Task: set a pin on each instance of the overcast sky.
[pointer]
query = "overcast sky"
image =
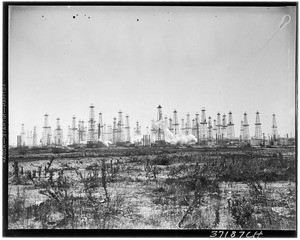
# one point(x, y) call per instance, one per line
point(62, 59)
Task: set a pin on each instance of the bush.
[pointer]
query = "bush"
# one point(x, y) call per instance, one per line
point(17, 207)
point(161, 161)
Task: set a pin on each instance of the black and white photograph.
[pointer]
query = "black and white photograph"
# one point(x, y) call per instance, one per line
point(155, 116)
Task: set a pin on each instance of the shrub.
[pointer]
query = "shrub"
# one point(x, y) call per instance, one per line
point(161, 160)
point(16, 208)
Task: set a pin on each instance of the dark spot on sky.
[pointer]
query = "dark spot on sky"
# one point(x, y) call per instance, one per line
point(73, 16)
point(42, 16)
point(84, 14)
point(89, 18)
point(76, 14)
point(137, 19)
point(216, 16)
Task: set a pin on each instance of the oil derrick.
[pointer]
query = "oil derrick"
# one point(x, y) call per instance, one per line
point(224, 127)
point(215, 130)
point(23, 135)
point(19, 141)
point(171, 125)
point(203, 125)
point(83, 131)
point(109, 133)
point(160, 132)
point(230, 132)
point(242, 131)
point(153, 130)
point(29, 138)
point(105, 138)
point(73, 131)
point(209, 130)
point(197, 126)
point(182, 127)
point(274, 134)
point(188, 128)
point(120, 131)
point(258, 132)
point(175, 123)
point(166, 122)
point(114, 136)
point(146, 138)
point(100, 128)
point(79, 137)
point(69, 135)
point(91, 125)
point(246, 128)
point(159, 113)
point(58, 134)
point(127, 129)
point(264, 139)
point(219, 133)
point(34, 140)
point(46, 139)
point(193, 127)
point(137, 129)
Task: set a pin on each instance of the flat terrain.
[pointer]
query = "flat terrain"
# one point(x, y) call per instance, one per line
point(153, 188)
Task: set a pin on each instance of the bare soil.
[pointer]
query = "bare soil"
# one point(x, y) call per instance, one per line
point(172, 190)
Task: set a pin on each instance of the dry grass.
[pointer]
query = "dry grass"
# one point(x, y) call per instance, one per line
point(195, 189)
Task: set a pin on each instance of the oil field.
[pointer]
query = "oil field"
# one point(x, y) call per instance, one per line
point(131, 116)
point(169, 183)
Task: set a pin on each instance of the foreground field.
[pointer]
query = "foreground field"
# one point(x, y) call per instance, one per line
point(171, 189)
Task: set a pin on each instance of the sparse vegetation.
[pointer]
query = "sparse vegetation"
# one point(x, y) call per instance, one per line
point(154, 188)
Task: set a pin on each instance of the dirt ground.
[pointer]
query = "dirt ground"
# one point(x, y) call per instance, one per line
point(143, 192)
